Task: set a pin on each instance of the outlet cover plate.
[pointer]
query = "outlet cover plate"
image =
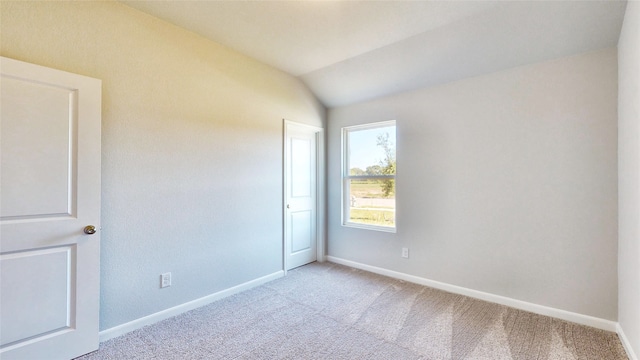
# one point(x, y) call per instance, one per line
point(165, 280)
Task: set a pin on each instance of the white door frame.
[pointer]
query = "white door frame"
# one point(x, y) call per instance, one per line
point(320, 192)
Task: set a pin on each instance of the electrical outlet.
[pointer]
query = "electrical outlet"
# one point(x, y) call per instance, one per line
point(405, 253)
point(165, 280)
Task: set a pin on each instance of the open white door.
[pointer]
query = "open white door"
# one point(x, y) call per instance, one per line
point(301, 225)
point(49, 212)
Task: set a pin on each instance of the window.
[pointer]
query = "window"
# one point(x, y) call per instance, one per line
point(369, 176)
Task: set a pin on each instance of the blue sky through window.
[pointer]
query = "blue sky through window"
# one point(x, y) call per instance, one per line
point(363, 149)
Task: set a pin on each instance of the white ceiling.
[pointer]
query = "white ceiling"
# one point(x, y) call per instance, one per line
point(350, 51)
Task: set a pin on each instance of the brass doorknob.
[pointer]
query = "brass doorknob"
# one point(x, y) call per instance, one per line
point(89, 229)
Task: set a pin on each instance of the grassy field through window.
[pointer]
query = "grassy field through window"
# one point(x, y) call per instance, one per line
point(369, 205)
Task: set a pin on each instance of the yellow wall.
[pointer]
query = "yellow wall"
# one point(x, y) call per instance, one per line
point(192, 148)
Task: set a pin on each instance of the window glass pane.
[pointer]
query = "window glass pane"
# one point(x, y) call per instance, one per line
point(372, 151)
point(372, 202)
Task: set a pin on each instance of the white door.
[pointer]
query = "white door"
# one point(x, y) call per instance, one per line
point(301, 193)
point(49, 192)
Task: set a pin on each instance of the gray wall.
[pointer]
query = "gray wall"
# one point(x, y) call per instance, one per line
point(506, 183)
point(192, 149)
point(629, 175)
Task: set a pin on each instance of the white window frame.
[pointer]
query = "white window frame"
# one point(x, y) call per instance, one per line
point(346, 177)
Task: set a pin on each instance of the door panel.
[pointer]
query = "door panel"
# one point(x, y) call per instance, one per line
point(301, 231)
point(301, 168)
point(50, 190)
point(301, 149)
point(45, 311)
point(36, 174)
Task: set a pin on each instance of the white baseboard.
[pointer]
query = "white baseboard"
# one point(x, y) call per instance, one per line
point(626, 344)
point(176, 310)
point(587, 320)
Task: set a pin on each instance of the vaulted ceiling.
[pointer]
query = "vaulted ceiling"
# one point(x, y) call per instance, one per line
point(350, 51)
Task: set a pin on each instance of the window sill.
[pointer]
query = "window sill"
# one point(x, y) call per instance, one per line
point(370, 227)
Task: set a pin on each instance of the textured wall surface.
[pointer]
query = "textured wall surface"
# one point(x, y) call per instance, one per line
point(507, 184)
point(192, 149)
point(629, 175)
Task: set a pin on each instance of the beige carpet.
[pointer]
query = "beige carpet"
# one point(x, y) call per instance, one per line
point(329, 311)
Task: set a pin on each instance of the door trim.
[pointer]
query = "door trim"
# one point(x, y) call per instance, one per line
point(320, 191)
